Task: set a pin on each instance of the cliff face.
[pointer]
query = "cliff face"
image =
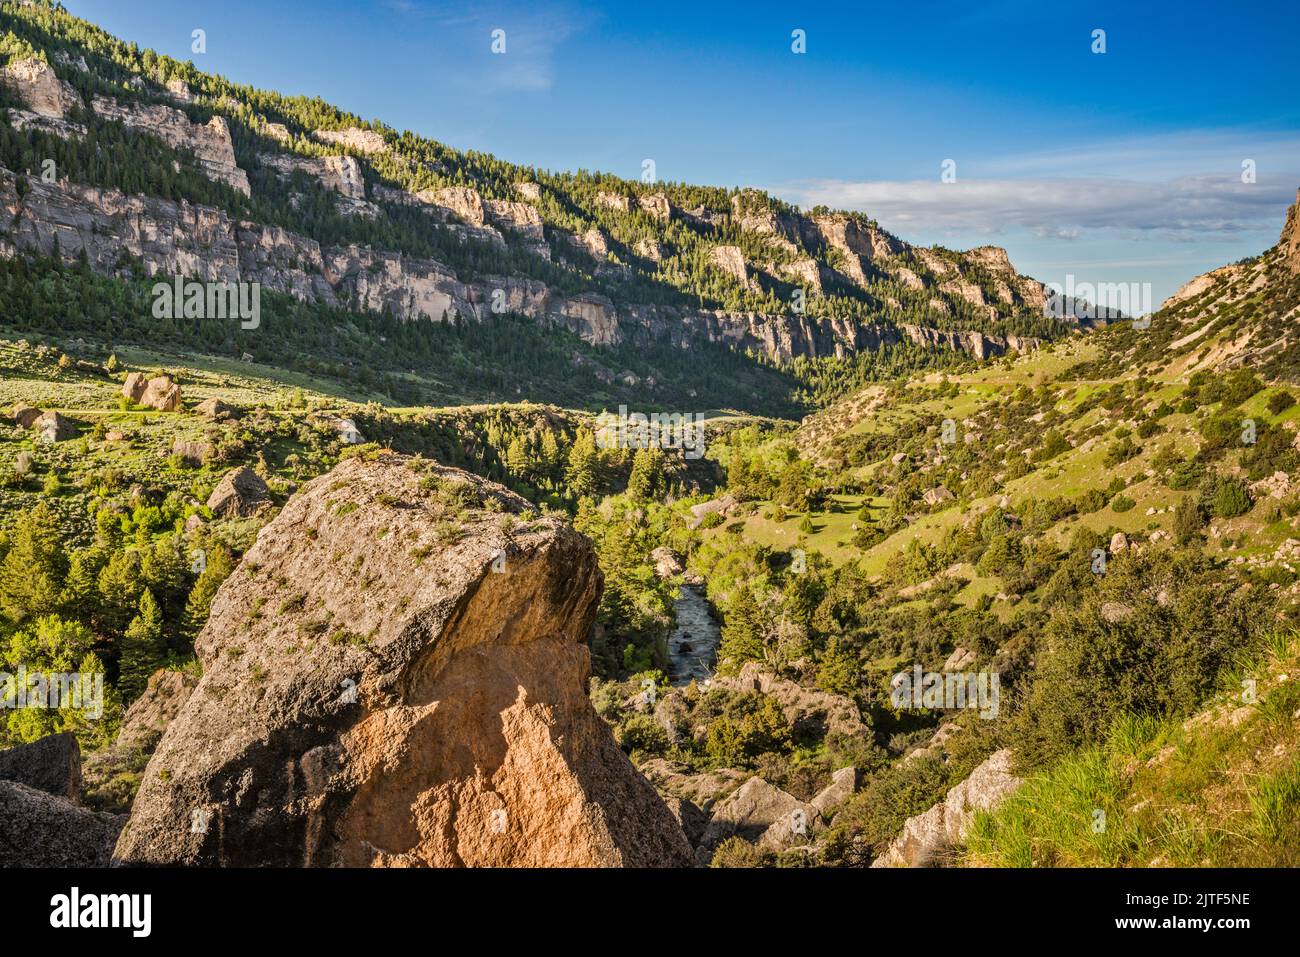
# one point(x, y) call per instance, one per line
point(395, 675)
point(1290, 241)
point(203, 243)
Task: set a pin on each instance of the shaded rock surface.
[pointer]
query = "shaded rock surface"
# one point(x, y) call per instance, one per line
point(52, 765)
point(375, 693)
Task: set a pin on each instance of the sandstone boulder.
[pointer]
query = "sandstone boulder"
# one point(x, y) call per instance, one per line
point(54, 427)
point(159, 392)
point(193, 454)
point(761, 813)
point(52, 765)
point(215, 409)
point(240, 493)
point(414, 697)
point(25, 415)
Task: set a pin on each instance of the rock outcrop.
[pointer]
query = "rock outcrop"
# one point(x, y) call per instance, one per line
point(928, 837)
point(395, 676)
point(203, 244)
point(39, 87)
point(353, 138)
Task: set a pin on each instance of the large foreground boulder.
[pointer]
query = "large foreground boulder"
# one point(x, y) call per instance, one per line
point(38, 829)
point(395, 675)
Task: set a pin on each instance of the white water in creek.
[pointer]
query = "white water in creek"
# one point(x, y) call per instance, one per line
point(693, 644)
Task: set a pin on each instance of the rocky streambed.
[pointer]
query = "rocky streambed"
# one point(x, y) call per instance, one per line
point(693, 644)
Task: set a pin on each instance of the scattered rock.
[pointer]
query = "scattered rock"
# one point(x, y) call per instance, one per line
point(1118, 542)
point(1114, 612)
point(959, 659)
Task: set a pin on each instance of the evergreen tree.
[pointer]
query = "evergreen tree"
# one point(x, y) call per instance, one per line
point(142, 648)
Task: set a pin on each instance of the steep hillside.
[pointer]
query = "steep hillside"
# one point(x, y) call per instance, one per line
point(137, 164)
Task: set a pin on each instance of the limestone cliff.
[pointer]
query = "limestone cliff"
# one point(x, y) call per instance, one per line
point(395, 675)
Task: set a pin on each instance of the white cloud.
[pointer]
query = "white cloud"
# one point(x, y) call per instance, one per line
point(1066, 208)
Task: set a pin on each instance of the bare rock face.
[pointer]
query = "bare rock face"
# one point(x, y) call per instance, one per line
point(657, 206)
point(40, 830)
point(615, 201)
point(52, 765)
point(730, 260)
point(395, 676)
point(927, 837)
point(40, 88)
point(363, 141)
point(240, 493)
point(1290, 241)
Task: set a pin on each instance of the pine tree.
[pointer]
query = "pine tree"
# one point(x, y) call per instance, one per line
point(583, 472)
point(142, 648)
point(646, 480)
point(32, 573)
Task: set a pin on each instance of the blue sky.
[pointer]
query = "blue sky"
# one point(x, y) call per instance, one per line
point(1122, 166)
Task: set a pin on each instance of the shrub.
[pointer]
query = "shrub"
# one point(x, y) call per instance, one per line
point(1279, 402)
point(1122, 503)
